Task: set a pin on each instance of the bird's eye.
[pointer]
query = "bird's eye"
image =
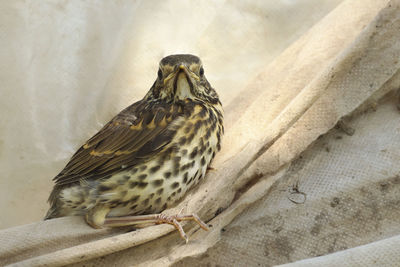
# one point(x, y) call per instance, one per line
point(201, 72)
point(159, 73)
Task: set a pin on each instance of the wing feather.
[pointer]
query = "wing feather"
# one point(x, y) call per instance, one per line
point(131, 137)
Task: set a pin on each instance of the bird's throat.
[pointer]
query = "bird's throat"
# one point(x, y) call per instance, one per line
point(183, 86)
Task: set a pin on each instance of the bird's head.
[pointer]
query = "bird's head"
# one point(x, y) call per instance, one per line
point(182, 77)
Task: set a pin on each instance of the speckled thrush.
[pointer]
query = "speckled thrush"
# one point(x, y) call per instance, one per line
point(147, 156)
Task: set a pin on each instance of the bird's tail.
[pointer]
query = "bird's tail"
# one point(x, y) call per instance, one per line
point(52, 213)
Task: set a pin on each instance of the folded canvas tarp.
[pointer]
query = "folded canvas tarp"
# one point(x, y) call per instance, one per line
point(288, 185)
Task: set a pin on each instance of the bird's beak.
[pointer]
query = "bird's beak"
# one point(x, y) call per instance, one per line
point(188, 72)
point(183, 68)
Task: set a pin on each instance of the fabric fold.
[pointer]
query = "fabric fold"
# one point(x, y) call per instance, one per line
point(340, 66)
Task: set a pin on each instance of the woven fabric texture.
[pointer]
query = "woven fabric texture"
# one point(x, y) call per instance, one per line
point(288, 186)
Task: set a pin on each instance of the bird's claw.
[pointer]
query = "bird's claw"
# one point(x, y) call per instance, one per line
point(176, 219)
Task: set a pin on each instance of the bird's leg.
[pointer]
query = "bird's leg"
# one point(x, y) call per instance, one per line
point(156, 219)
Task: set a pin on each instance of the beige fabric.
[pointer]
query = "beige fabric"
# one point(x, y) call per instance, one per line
point(381, 253)
point(341, 66)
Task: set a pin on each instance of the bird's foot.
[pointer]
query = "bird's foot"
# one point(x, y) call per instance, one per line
point(156, 219)
point(176, 219)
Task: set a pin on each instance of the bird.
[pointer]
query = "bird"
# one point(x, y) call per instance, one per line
point(148, 156)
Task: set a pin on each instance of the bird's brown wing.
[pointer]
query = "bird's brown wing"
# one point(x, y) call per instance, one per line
point(134, 135)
